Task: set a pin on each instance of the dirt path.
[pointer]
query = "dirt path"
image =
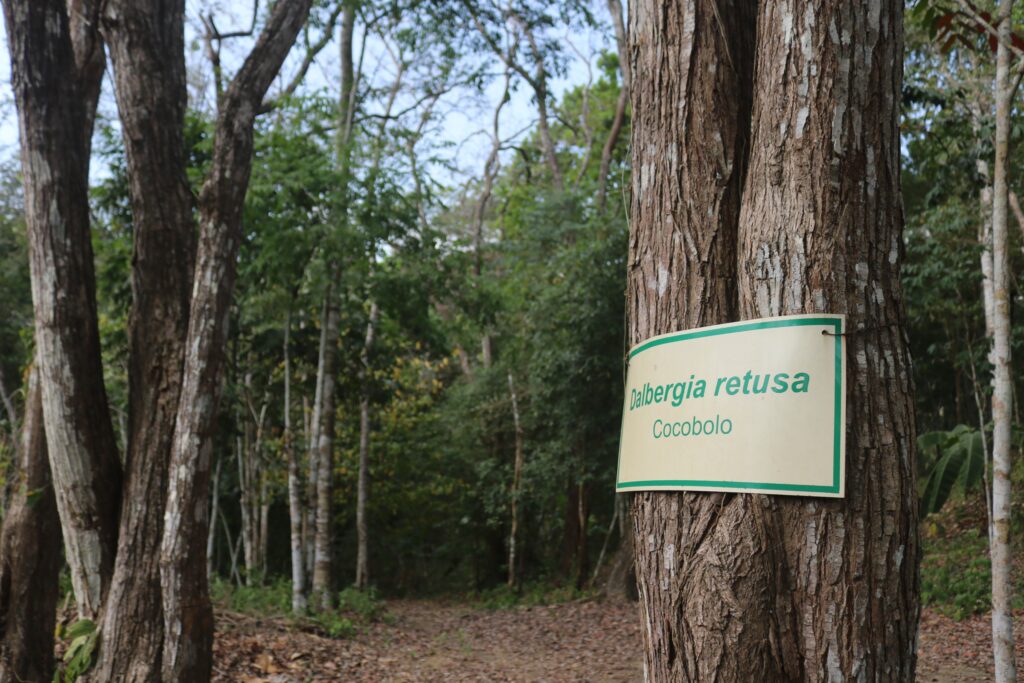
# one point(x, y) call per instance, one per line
point(591, 642)
point(431, 641)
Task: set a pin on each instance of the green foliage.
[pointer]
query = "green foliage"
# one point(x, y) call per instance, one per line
point(948, 459)
point(334, 625)
point(274, 598)
point(956, 575)
point(82, 638)
point(532, 594)
point(365, 604)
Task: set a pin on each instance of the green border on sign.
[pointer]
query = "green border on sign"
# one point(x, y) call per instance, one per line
point(837, 325)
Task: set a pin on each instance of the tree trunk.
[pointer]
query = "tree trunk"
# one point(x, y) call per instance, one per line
point(295, 512)
point(682, 274)
point(322, 597)
point(211, 536)
point(54, 84)
point(313, 443)
point(188, 615)
point(749, 587)
point(362, 536)
point(30, 557)
point(1002, 380)
point(517, 476)
point(146, 41)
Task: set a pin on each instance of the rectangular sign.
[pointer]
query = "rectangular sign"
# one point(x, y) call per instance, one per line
point(757, 406)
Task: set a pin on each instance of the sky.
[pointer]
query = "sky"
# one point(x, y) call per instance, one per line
point(464, 120)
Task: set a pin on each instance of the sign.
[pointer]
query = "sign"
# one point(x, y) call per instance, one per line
point(757, 406)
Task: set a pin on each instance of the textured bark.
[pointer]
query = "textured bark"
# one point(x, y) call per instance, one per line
point(821, 231)
point(363, 491)
point(1002, 380)
point(54, 114)
point(30, 557)
point(322, 594)
point(745, 587)
point(146, 44)
point(700, 558)
point(188, 615)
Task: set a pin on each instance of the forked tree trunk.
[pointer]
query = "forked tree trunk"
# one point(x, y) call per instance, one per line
point(30, 557)
point(749, 587)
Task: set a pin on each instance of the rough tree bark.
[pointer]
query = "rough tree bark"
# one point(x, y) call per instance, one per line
point(1002, 380)
point(30, 557)
point(743, 587)
point(691, 117)
point(55, 78)
point(188, 615)
point(146, 42)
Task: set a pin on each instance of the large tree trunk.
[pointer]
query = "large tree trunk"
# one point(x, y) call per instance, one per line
point(146, 41)
point(188, 615)
point(690, 126)
point(1002, 381)
point(744, 587)
point(821, 231)
point(55, 82)
point(30, 557)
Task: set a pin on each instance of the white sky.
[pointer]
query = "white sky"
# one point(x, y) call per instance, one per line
point(464, 119)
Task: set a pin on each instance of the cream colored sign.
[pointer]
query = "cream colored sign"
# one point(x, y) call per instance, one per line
point(755, 406)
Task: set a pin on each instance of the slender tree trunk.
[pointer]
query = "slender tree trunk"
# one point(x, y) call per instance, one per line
point(188, 615)
point(53, 83)
point(1002, 384)
point(322, 584)
point(211, 536)
point(744, 587)
point(12, 415)
point(30, 557)
point(622, 45)
point(294, 481)
point(363, 550)
point(313, 444)
point(517, 476)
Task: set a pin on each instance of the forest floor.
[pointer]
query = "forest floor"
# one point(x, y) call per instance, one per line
point(594, 641)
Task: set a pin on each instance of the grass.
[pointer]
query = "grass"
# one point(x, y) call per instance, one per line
point(528, 595)
point(354, 608)
point(956, 573)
